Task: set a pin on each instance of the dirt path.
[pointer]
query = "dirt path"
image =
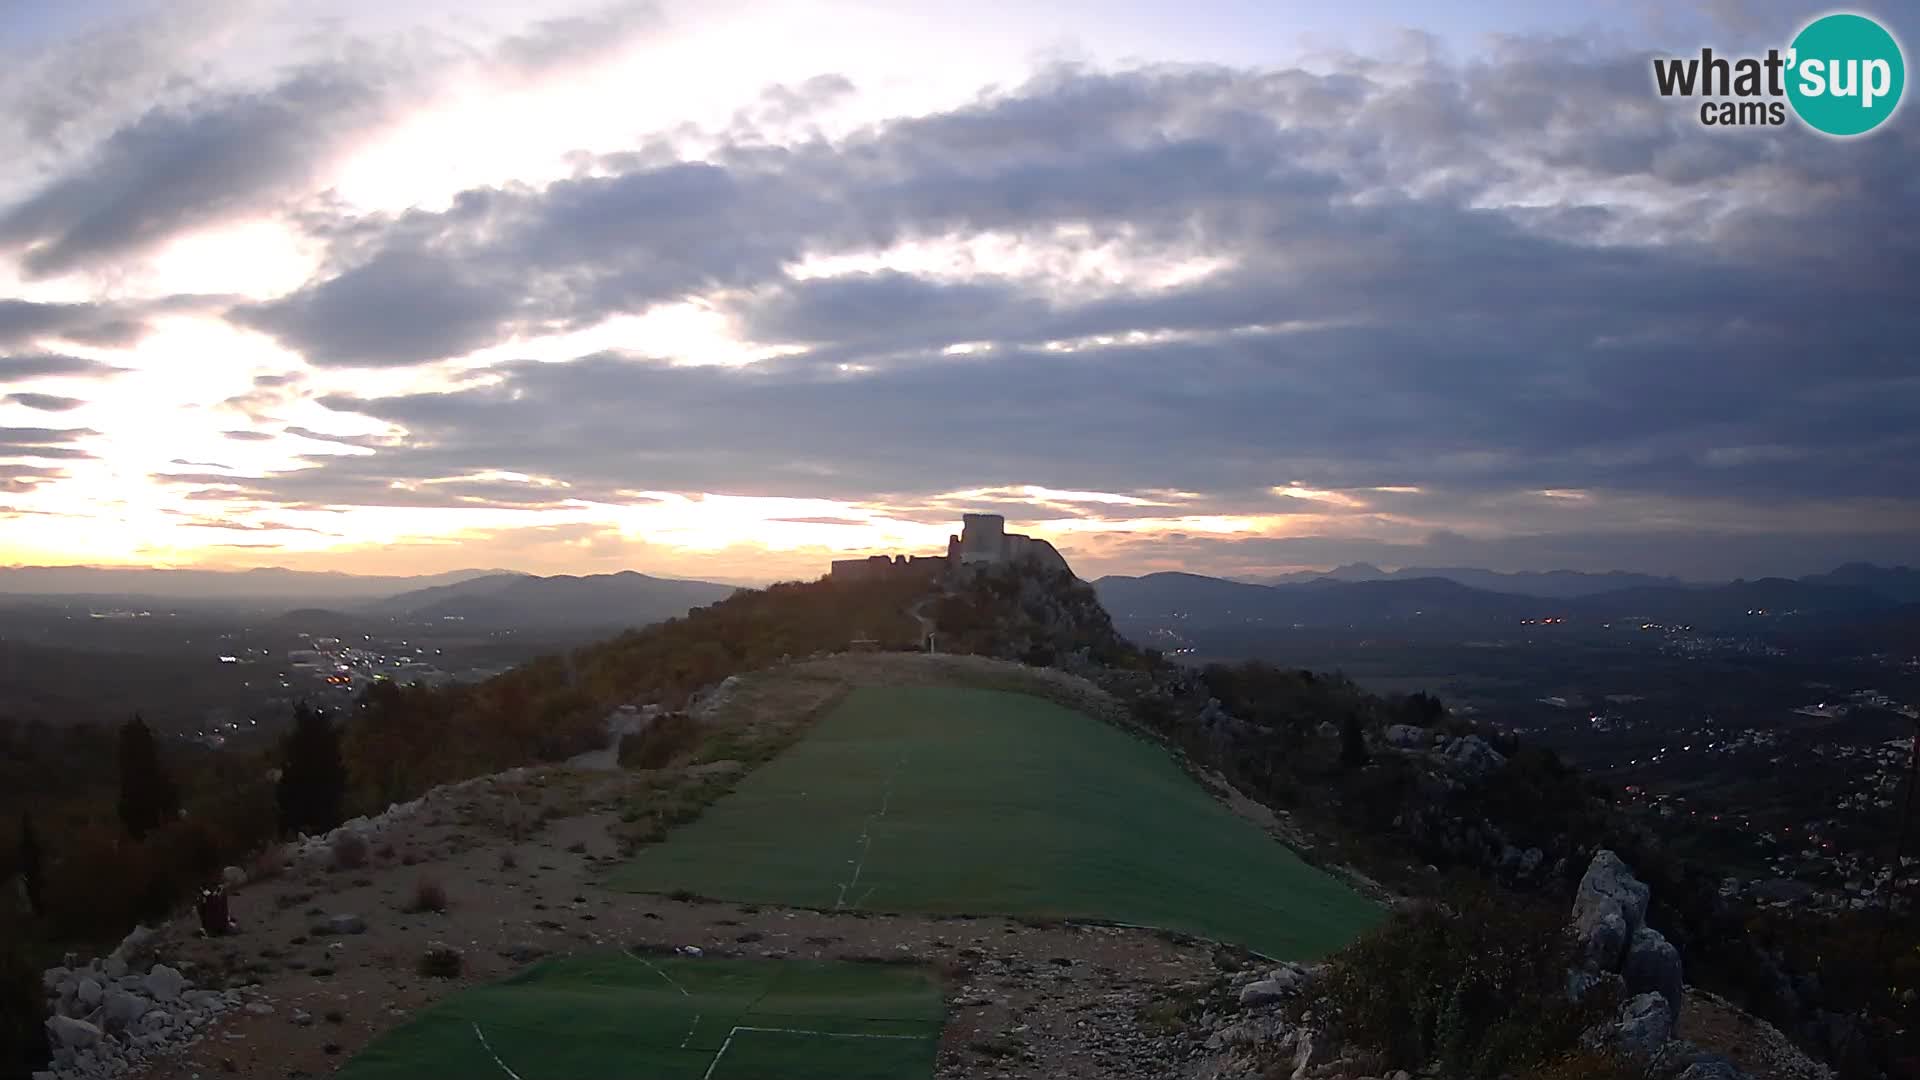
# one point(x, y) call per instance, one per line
point(927, 627)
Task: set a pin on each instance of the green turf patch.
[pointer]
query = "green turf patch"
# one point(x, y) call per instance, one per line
point(952, 801)
point(617, 1014)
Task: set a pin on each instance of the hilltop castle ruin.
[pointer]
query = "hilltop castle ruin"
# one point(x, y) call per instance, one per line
point(983, 542)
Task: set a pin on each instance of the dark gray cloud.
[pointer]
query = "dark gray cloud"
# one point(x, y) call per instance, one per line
point(45, 402)
point(43, 365)
point(182, 167)
point(55, 95)
point(1523, 273)
point(22, 322)
point(400, 308)
point(40, 442)
point(570, 41)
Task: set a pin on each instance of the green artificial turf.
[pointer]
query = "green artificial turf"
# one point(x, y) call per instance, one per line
point(953, 801)
point(617, 1014)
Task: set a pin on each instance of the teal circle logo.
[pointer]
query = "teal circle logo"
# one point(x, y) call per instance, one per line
point(1846, 74)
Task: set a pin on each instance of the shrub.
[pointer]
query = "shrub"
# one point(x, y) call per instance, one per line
point(669, 736)
point(267, 864)
point(428, 895)
point(441, 961)
point(350, 851)
point(96, 888)
point(1478, 985)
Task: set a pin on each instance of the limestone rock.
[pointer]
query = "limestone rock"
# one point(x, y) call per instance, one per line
point(164, 983)
point(122, 1009)
point(1715, 1069)
point(1407, 737)
point(1263, 992)
point(1603, 941)
point(1609, 884)
point(1608, 909)
point(343, 924)
point(1314, 1049)
point(71, 1034)
point(1472, 756)
point(1645, 1024)
point(1653, 965)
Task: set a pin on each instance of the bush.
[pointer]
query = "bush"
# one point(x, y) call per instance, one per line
point(267, 864)
point(669, 736)
point(428, 895)
point(95, 889)
point(1478, 985)
point(441, 961)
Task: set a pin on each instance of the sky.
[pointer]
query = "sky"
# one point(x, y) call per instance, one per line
point(729, 289)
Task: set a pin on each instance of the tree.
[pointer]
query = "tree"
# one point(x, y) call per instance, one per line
point(1353, 742)
point(30, 861)
point(313, 781)
point(148, 798)
point(23, 1004)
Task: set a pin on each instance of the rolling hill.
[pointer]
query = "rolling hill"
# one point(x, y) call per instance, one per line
point(1202, 600)
point(562, 602)
point(1558, 584)
point(259, 586)
point(1438, 601)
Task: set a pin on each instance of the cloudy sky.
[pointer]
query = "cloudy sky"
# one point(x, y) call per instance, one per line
point(726, 288)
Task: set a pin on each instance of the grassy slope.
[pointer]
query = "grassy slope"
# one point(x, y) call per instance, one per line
point(997, 803)
point(615, 1014)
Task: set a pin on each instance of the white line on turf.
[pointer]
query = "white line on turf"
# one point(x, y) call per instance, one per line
point(662, 973)
point(826, 1034)
point(482, 1036)
point(722, 1052)
point(691, 1028)
point(866, 839)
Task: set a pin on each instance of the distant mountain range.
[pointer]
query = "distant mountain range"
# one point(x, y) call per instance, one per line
point(522, 601)
point(264, 584)
point(481, 599)
point(1556, 583)
point(1357, 594)
point(1439, 598)
point(1901, 583)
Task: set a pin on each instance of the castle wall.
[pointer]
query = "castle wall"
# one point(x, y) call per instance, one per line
point(983, 541)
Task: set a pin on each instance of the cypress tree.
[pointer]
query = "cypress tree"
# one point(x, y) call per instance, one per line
point(148, 799)
point(30, 860)
point(313, 779)
point(1353, 743)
